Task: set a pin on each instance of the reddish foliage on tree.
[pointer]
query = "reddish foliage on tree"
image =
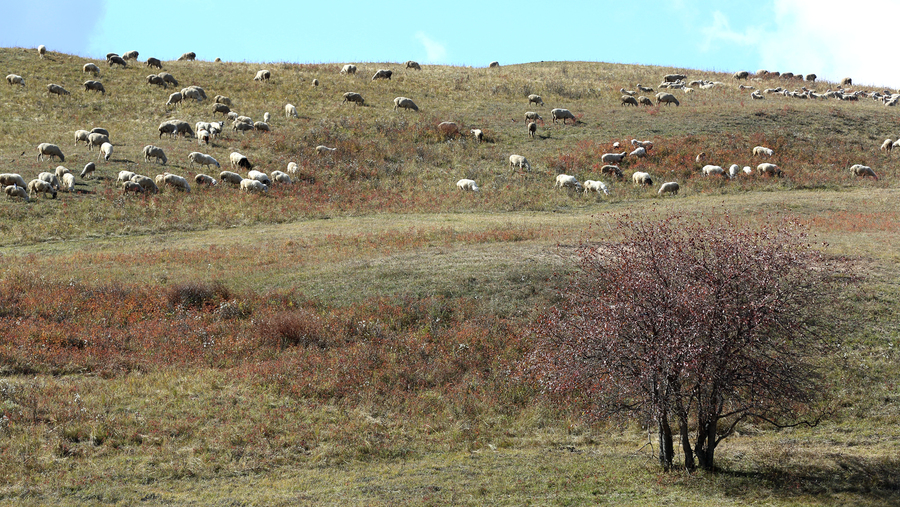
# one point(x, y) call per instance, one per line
point(694, 323)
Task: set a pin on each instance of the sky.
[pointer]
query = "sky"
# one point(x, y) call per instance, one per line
point(799, 36)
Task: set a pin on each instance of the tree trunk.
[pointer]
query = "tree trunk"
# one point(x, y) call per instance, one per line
point(666, 449)
point(686, 442)
point(706, 442)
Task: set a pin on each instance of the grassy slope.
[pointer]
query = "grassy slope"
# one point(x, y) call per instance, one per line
point(397, 226)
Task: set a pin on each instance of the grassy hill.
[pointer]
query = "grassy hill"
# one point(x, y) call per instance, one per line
point(357, 337)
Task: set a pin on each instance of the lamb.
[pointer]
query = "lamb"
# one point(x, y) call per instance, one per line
point(154, 62)
point(61, 171)
point(202, 179)
point(887, 145)
point(763, 151)
point(596, 186)
point(49, 178)
point(325, 149)
point(405, 103)
point(568, 181)
point(613, 158)
point(50, 150)
point(189, 56)
point(710, 170)
point(59, 91)
point(68, 182)
point(612, 170)
point(382, 74)
point(96, 86)
point(168, 78)
point(253, 186)
point(519, 161)
point(494, 65)
point(532, 129)
point(668, 98)
point(261, 126)
point(639, 152)
point(202, 159)
point(263, 75)
point(96, 139)
point(146, 183)
point(629, 100)
point(356, 98)
point(281, 177)
point(106, 150)
point(467, 184)
point(862, 171)
point(153, 79)
point(117, 60)
point(132, 187)
point(12, 179)
point(290, 111)
point(12, 79)
point(669, 187)
point(88, 170)
point(644, 101)
point(348, 69)
point(221, 99)
point(531, 115)
point(174, 99)
point(260, 177)
point(81, 135)
point(230, 177)
point(42, 50)
point(478, 134)
point(16, 191)
point(92, 68)
point(177, 182)
point(221, 108)
point(124, 176)
point(131, 55)
point(536, 99)
point(642, 179)
point(769, 170)
point(40, 186)
point(562, 114)
point(238, 160)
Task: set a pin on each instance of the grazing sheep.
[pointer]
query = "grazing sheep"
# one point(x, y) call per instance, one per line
point(413, 65)
point(202, 136)
point(96, 86)
point(613, 158)
point(230, 177)
point(12, 179)
point(81, 135)
point(99, 130)
point(221, 108)
point(160, 179)
point(96, 139)
point(642, 179)
point(153, 79)
point(267, 117)
point(117, 60)
point(241, 126)
point(536, 99)
point(494, 65)
point(42, 50)
point(132, 187)
point(90, 67)
point(519, 161)
point(734, 171)
point(596, 186)
point(177, 182)
point(348, 69)
point(811, 77)
point(221, 99)
point(238, 160)
point(61, 171)
point(260, 177)
point(531, 115)
point(769, 170)
point(448, 128)
point(644, 88)
point(846, 81)
point(647, 145)
point(668, 98)
point(110, 55)
point(57, 90)
point(68, 182)
point(40, 186)
point(315, 82)
point(671, 78)
point(862, 171)
point(478, 134)
point(281, 177)
point(405, 103)
point(183, 128)
point(763, 151)
point(12, 79)
point(644, 101)
point(174, 99)
point(202, 179)
point(253, 186)
point(88, 170)
point(756, 95)
point(189, 56)
point(700, 156)
point(124, 176)
point(50, 150)
point(202, 159)
point(710, 170)
point(353, 97)
point(168, 78)
point(293, 169)
point(741, 75)
point(261, 126)
point(194, 92)
point(569, 182)
point(325, 149)
point(887, 145)
point(467, 184)
point(669, 187)
point(562, 114)
point(146, 183)
point(639, 152)
point(16, 191)
point(50, 178)
point(612, 170)
point(629, 100)
point(154, 62)
point(131, 55)
point(382, 74)
point(532, 129)
point(263, 75)
point(166, 128)
point(106, 150)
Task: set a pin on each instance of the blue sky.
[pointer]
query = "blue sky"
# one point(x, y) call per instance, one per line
point(800, 36)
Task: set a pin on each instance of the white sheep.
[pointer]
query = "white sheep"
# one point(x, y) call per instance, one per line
point(596, 186)
point(713, 170)
point(146, 183)
point(194, 92)
point(12, 79)
point(16, 191)
point(290, 111)
point(50, 178)
point(42, 50)
point(61, 171)
point(669, 187)
point(230, 177)
point(769, 170)
point(241, 126)
point(763, 151)
point(519, 161)
point(88, 170)
point(203, 179)
point(756, 95)
point(612, 170)
point(477, 134)
point(168, 78)
point(734, 171)
point(644, 101)
point(124, 176)
point(238, 160)
point(639, 152)
point(151, 151)
point(625, 92)
point(887, 145)
point(413, 65)
point(266, 117)
point(202, 159)
point(293, 169)
point(405, 103)
point(747, 169)
point(700, 156)
point(613, 158)
point(536, 99)
point(315, 82)
point(348, 69)
point(50, 150)
point(642, 179)
point(562, 114)
point(174, 99)
point(260, 176)
point(325, 149)
point(221, 108)
point(12, 179)
point(494, 65)
point(106, 150)
point(177, 182)
point(281, 177)
point(40, 186)
point(357, 99)
point(568, 181)
point(862, 171)
point(668, 98)
point(467, 184)
point(533, 116)
point(190, 56)
point(253, 186)
point(202, 136)
point(57, 90)
point(132, 187)
point(647, 145)
point(81, 135)
point(261, 126)
point(383, 74)
point(68, 182)
point(97, 139)
point(532, 129)
point(92, 68)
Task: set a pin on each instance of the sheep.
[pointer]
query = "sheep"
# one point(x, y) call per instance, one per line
point(189, 56)
point(230, 177)
point(353, 97)
point(756, 95)
point(40, 186)
point(668, 98)
point(562, 114)
point(166, 128)
point(536, 99)
point(405, 103)
point(61, 171)
point(260, 177)
point(16, 191)
point(183, 128)
point(494, 65)
point(131, 55)
point(467, 185)
point(42, 50)
point(382, 74)
point(153, 79)
point(238, 160)
point(221, 108)
point(57, 90)
point(50, 150)
point(846, 81)
point(263, 75)
point(710, 170)
point(168, 78)
point(627, 92)
point(862, 171)
point(531, 115)
point(293, 169)
point(644, 101)
point(348, 69)
point(146, 183)
point(448, 128)
point(12, 79)
point(763, 151)
point(740, 75)
point(99, 130)
point(154, 62)
point(887, 145)
point(644, 88)
point(96, 139)
point(81, 135)
point(88, 170)
point(221, 99)
point(281, 177)
point(267, 117)
point(568, 181)
point(68, 182)
point(478, 134)
point(90, 67)
point(96, 86)
point(629, 100)
point(253, 186)
point(132, 187)
point(532, 129)
point(241, 126)
point(202, 179)
point(160, 179)
point(596, 186)
point(177, 182)
point(769, 170)
point(50, 178)
point(202, 159)
point(290, 111)
point(110, 55)
point(612, 170)
point(12, 179)
point(117, 60)
point(671, 78)
point(315, 82)
point(413, 65)
point(700, 156)
point(261, 126)
point(194, 92)
point(124, 176)
point(174, 99)
point(647, 145)
point(642, 179)
point(669, 187)
point(325, 149)
point(106, 150)
point(734, 171)
point(811, 77)
point(202, 136)
point(613, 158)
point(639, 152)
point(519, 161)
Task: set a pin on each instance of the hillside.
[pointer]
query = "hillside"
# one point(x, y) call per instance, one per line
point(357, 337)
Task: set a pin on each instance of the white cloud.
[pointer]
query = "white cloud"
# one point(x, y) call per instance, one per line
point(435, 51)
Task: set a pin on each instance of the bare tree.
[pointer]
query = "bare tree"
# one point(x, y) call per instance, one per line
point(695, 323)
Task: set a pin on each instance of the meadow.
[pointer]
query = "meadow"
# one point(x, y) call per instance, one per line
point(358, 337)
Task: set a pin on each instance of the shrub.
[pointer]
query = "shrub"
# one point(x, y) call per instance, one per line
point(198, 295)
